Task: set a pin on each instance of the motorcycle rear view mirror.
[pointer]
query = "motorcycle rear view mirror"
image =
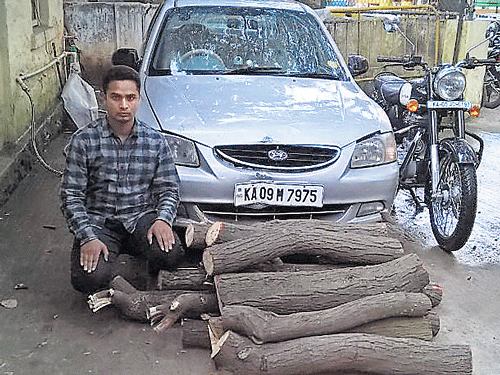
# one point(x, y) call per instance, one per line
point(390, 27)
point(467, 54)
point(391, 24)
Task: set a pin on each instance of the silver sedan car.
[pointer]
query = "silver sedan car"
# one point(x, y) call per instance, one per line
point(263, 115)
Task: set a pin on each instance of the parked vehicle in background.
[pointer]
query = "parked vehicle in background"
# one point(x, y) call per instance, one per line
point(491, 86)
point(263, 115)
point(428, 118)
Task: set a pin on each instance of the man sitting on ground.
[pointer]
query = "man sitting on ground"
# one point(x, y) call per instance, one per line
point(120, 189)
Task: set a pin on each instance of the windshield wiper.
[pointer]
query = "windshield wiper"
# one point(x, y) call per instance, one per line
point(255, 70)
point(313, 75)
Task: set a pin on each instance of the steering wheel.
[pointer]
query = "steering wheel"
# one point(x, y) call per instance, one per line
point(201, 59)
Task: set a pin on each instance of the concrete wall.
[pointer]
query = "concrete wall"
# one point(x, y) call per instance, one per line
point(101, 28)
point(25, 48)
point(366, 36)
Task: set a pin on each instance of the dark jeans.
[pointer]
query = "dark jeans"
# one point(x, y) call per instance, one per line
point(119, 241)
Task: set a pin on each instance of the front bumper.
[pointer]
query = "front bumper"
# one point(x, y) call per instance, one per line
point(350, 195)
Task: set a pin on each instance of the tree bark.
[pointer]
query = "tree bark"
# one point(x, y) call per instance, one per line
point(403, 327)
point(338, 244)
point(264, 326)
point(347, 352)
point(201, 333)
point(187, 305)
point(417, 327)
point(132, 305)
point(435, 293)
point(220, 232)
point(195, 334)
point(184, 279)
point(291, 292)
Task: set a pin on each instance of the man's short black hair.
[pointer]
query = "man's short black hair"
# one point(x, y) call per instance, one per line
point(121, 73)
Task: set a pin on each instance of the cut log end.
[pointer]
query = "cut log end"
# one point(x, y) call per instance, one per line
point(189, 235)
point(213, 233)
point(208, 262)
point(216, 346)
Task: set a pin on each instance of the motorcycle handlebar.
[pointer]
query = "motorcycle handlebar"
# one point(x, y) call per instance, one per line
point(407, 61)
point(399, 60)
point(472, 63)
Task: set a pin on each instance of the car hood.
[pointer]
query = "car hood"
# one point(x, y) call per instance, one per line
point(223, 110)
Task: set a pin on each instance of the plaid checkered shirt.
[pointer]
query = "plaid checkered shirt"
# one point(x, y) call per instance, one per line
point(105, 178)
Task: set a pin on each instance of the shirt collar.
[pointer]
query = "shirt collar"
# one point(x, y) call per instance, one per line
point(107, 132)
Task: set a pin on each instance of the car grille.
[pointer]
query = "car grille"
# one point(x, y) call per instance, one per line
point(228, 211)
point(278, 157)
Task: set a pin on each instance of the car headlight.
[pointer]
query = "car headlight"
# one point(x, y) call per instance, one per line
point(449, 83)
point(183, 150)
point(376, 150)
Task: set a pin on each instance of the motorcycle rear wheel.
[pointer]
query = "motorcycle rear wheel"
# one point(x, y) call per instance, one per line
point(453, 211)
point(491, 90)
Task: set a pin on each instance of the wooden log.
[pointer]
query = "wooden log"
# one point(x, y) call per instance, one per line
point(132, 305)
point(195, 235)
point(184, 279)
point(435, 293)
point(265, 326)
point(342, 353)
point(121, 284)
point(187, 305)
point(221, 232)
point(195, 334)
point(291, 292)
point(336, 243)
point(201, 333)
point(417, 327)
point(195, 278)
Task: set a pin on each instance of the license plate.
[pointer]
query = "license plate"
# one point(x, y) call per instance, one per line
point(277, 194)
point(442, 104)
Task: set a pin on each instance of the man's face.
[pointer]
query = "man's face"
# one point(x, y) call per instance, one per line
point(122, 100)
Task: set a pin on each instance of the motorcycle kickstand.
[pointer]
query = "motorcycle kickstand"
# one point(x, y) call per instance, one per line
point(419, 206)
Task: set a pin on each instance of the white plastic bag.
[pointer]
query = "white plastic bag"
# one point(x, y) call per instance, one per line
point(79, 100)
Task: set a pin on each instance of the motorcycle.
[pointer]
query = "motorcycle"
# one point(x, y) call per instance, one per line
point(491, 86)
point(428, 118)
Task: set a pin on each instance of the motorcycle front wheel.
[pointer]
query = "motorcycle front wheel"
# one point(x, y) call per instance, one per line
point(491, 90)
point(452, 210)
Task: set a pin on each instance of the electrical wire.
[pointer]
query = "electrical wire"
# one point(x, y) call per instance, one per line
point(20, 80)
point(33, 139)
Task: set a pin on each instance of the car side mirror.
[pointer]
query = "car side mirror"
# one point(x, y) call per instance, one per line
point(357, 64)
point(126, 56)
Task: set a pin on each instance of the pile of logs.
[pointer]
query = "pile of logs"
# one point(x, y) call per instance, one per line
point(359, 304)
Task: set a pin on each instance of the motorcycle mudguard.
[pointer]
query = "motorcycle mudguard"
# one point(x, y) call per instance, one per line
point(462, 152)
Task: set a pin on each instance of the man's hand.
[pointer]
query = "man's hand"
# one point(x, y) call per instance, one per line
point(89, 254)
point(163, 233)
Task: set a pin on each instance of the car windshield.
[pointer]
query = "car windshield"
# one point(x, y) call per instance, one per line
point(239, 40)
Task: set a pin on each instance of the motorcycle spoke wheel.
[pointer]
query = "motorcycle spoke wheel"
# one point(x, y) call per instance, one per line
point(453, 209)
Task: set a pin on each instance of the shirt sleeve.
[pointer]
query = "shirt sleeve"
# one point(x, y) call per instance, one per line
point(73, 189)
point(166, 184)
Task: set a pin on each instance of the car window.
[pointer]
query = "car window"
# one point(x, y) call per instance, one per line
point(237, 40)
